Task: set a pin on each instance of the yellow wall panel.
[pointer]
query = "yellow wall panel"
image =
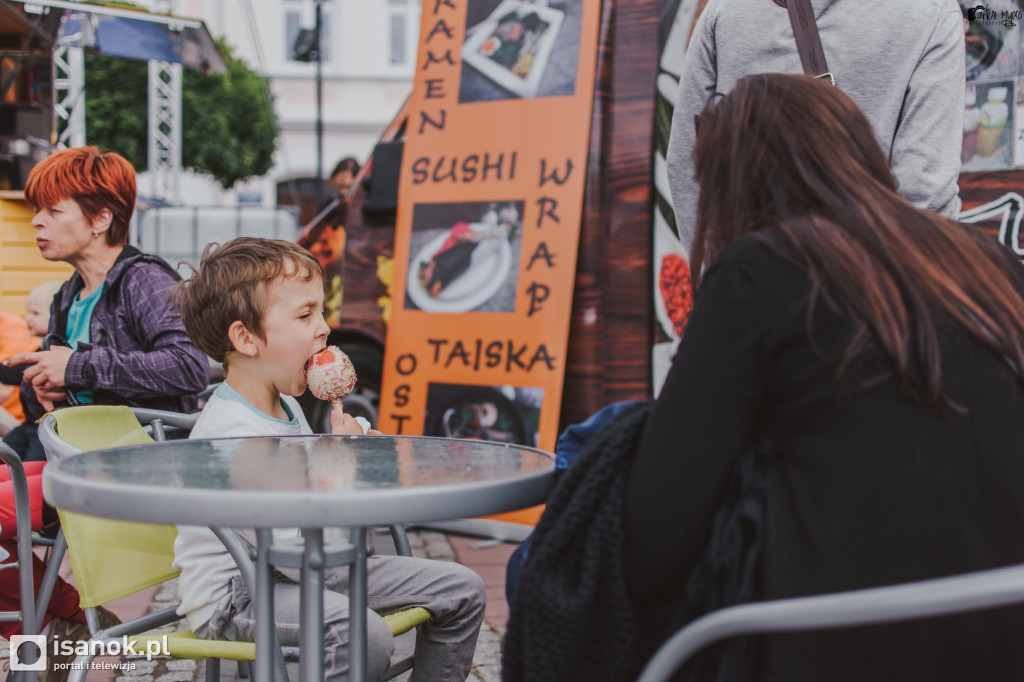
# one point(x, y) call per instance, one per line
point(21, 267)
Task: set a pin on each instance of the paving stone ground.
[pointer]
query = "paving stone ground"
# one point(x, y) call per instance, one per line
point(486, 557)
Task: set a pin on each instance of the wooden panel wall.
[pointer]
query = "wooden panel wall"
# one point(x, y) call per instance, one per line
point(21, 267)
point(611, 333)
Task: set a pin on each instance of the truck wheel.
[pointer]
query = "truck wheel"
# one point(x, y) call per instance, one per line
point(363, 401)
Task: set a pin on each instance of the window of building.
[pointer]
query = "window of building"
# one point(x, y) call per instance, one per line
point(403, 33)
point(299, 14)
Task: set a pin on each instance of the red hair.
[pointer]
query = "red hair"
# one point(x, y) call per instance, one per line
point(93, 179)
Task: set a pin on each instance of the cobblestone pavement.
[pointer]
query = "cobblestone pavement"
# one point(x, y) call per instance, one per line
point(429, 544)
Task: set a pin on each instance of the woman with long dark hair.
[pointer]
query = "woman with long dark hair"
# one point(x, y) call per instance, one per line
point(872, 355)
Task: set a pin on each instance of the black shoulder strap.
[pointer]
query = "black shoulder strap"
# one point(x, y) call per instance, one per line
point(808, 42)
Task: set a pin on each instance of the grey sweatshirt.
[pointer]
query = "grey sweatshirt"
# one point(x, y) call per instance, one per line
point(902, 62)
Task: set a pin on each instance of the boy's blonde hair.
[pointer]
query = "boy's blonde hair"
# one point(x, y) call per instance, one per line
point(43, 294)
point(232, 284)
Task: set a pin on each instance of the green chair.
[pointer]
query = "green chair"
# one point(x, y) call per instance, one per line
point(111, 559)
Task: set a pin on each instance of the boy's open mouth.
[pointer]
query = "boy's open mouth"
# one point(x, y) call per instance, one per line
point(305, 367)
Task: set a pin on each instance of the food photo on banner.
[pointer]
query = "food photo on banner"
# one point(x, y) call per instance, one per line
point(673, 291)
point(464, 257)
point(993, 137)
point(994, 71)
point(504, 414)
point(988, 141)
point(520, 49)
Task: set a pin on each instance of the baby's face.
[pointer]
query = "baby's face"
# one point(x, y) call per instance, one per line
point(37, 317)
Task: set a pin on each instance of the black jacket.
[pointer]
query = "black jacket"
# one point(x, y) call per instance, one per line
point(571, 618)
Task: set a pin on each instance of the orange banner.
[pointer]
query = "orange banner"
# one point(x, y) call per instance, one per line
point(488, 219)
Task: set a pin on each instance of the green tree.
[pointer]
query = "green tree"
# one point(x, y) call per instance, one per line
point(228, 128)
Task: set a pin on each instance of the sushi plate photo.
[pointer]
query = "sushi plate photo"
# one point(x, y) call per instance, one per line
point(487, 269)
point(513, 45)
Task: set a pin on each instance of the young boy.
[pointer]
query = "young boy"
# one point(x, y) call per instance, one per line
point(256, 305)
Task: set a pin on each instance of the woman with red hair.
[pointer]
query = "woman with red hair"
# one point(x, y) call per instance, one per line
point(115, 337)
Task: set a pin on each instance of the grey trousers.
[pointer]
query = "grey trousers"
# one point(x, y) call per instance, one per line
point(452, 593)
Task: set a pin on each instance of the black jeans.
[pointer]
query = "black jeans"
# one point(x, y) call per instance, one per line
point(24, 439)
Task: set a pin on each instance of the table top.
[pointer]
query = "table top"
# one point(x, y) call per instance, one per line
point(304, 481)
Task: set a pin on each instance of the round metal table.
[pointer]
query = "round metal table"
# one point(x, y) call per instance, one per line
point(309, 482)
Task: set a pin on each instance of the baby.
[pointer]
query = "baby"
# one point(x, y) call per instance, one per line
point(38, 306)
point(18, 435)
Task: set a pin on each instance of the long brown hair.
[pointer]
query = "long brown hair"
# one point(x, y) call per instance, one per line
point(795, 153)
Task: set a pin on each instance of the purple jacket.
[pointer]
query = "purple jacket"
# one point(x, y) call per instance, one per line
point(140, 354)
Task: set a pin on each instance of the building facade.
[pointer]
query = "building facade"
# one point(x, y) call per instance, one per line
point(369, 54)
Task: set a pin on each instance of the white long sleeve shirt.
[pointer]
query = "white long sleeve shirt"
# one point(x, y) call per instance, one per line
point(206, 566)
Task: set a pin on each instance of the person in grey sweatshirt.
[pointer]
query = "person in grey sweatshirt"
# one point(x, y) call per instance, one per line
point(903, 63)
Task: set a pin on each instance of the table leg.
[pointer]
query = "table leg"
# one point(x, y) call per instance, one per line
point(311, 613)
point(264, 598)
point(357, 607)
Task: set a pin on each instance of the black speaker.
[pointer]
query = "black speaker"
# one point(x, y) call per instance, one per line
point(306, 45)
point(382, 190)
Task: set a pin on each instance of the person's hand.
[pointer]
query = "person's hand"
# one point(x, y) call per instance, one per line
point(345, 424)
point(46, 373)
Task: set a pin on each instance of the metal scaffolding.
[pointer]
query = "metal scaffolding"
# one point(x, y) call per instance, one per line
point(165, 129)
point(69, 95)
point(164, 116)
point(164, 88)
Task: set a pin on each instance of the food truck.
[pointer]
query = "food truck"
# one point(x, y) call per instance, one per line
point(502, 266)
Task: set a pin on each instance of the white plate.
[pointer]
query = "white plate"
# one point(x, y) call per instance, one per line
point(524, 87)
point(488, 267)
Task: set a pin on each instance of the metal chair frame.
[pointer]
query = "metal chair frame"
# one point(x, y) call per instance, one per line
point(31, 613)
point(892, 603)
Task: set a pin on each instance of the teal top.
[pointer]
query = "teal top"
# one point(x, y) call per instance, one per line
point(79, 317)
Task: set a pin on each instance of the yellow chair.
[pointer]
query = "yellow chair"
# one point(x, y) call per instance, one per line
point(94, 427)
point(111, 559)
